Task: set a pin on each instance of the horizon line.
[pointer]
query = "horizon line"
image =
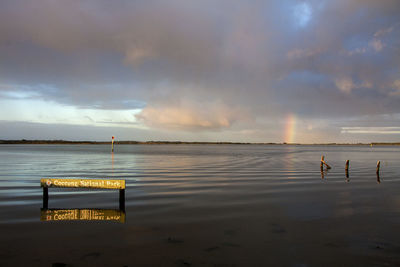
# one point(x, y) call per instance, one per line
point(133, 142)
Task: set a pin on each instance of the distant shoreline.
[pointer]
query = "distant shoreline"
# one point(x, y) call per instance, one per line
point(66, 142)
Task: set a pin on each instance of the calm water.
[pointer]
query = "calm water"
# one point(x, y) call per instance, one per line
point(205, 205)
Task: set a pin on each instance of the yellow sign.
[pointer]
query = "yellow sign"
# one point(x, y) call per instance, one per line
point(82, 215)
point(83, 183)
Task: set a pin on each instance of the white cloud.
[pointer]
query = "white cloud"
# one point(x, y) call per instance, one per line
point(359, 50)
point(302, 13)
point(19, 94)
point(376, 44)
point(40, 111)
point(345, 85)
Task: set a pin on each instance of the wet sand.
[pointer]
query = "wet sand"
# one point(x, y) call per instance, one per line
point(265, 240)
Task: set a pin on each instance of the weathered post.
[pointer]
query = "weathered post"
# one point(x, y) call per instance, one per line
point(378, 166)
point(45, 197)
point(347, 170)
point(323, 162)
point(122, 199)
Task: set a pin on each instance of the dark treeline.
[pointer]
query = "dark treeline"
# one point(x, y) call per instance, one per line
point(58, 142)
point(42, 142)
point(61, 142)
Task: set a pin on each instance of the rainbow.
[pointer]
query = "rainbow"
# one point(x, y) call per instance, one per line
point(290, 125)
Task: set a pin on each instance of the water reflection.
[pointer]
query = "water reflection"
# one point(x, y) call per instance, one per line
point(324, 173)
point(289, 160)
point(112, 162)
point(347, 176)
point(82, 215)
point(87, 214)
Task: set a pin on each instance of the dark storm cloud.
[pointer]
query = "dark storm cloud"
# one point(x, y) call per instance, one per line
point(194, 59)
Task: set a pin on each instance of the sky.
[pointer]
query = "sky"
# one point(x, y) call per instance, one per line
point(316, 71)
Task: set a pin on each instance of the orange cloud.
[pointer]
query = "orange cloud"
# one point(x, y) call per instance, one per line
point(191, 116)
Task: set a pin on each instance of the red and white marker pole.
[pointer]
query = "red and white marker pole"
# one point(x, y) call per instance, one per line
point(112, 144)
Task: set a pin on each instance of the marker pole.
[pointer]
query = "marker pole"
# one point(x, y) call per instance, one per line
point(112, 144)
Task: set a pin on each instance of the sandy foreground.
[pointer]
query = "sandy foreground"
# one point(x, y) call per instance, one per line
point(269, 239)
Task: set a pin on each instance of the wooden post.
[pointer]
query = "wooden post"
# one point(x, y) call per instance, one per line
point(347, 170)
point(323, 162)
point(45, 197)
point(122, 199)
point(378, 179)
point(112, 144)
point(378, 166)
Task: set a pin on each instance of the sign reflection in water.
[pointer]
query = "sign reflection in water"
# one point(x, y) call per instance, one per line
point(82, 215)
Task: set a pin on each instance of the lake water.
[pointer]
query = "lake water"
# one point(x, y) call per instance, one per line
point(203, 205)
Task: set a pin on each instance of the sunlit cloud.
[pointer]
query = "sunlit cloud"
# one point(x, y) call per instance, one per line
point(376, 44)
point(346, 84)
point(191, 116)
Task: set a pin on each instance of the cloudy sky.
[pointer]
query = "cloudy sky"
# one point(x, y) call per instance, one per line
point(200, 70)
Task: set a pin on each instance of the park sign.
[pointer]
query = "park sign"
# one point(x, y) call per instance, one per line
point(82, 183)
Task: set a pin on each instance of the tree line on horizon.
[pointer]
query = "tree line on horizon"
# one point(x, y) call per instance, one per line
point(25, 141)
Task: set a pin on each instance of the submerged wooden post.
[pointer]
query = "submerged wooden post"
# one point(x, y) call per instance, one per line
point(45, 197)
point(323, 162)
point(45, 192)
point(378, 166)
point(347, 170)
point(122, 199)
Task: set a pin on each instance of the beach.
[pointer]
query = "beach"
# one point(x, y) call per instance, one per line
point(202, 205)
